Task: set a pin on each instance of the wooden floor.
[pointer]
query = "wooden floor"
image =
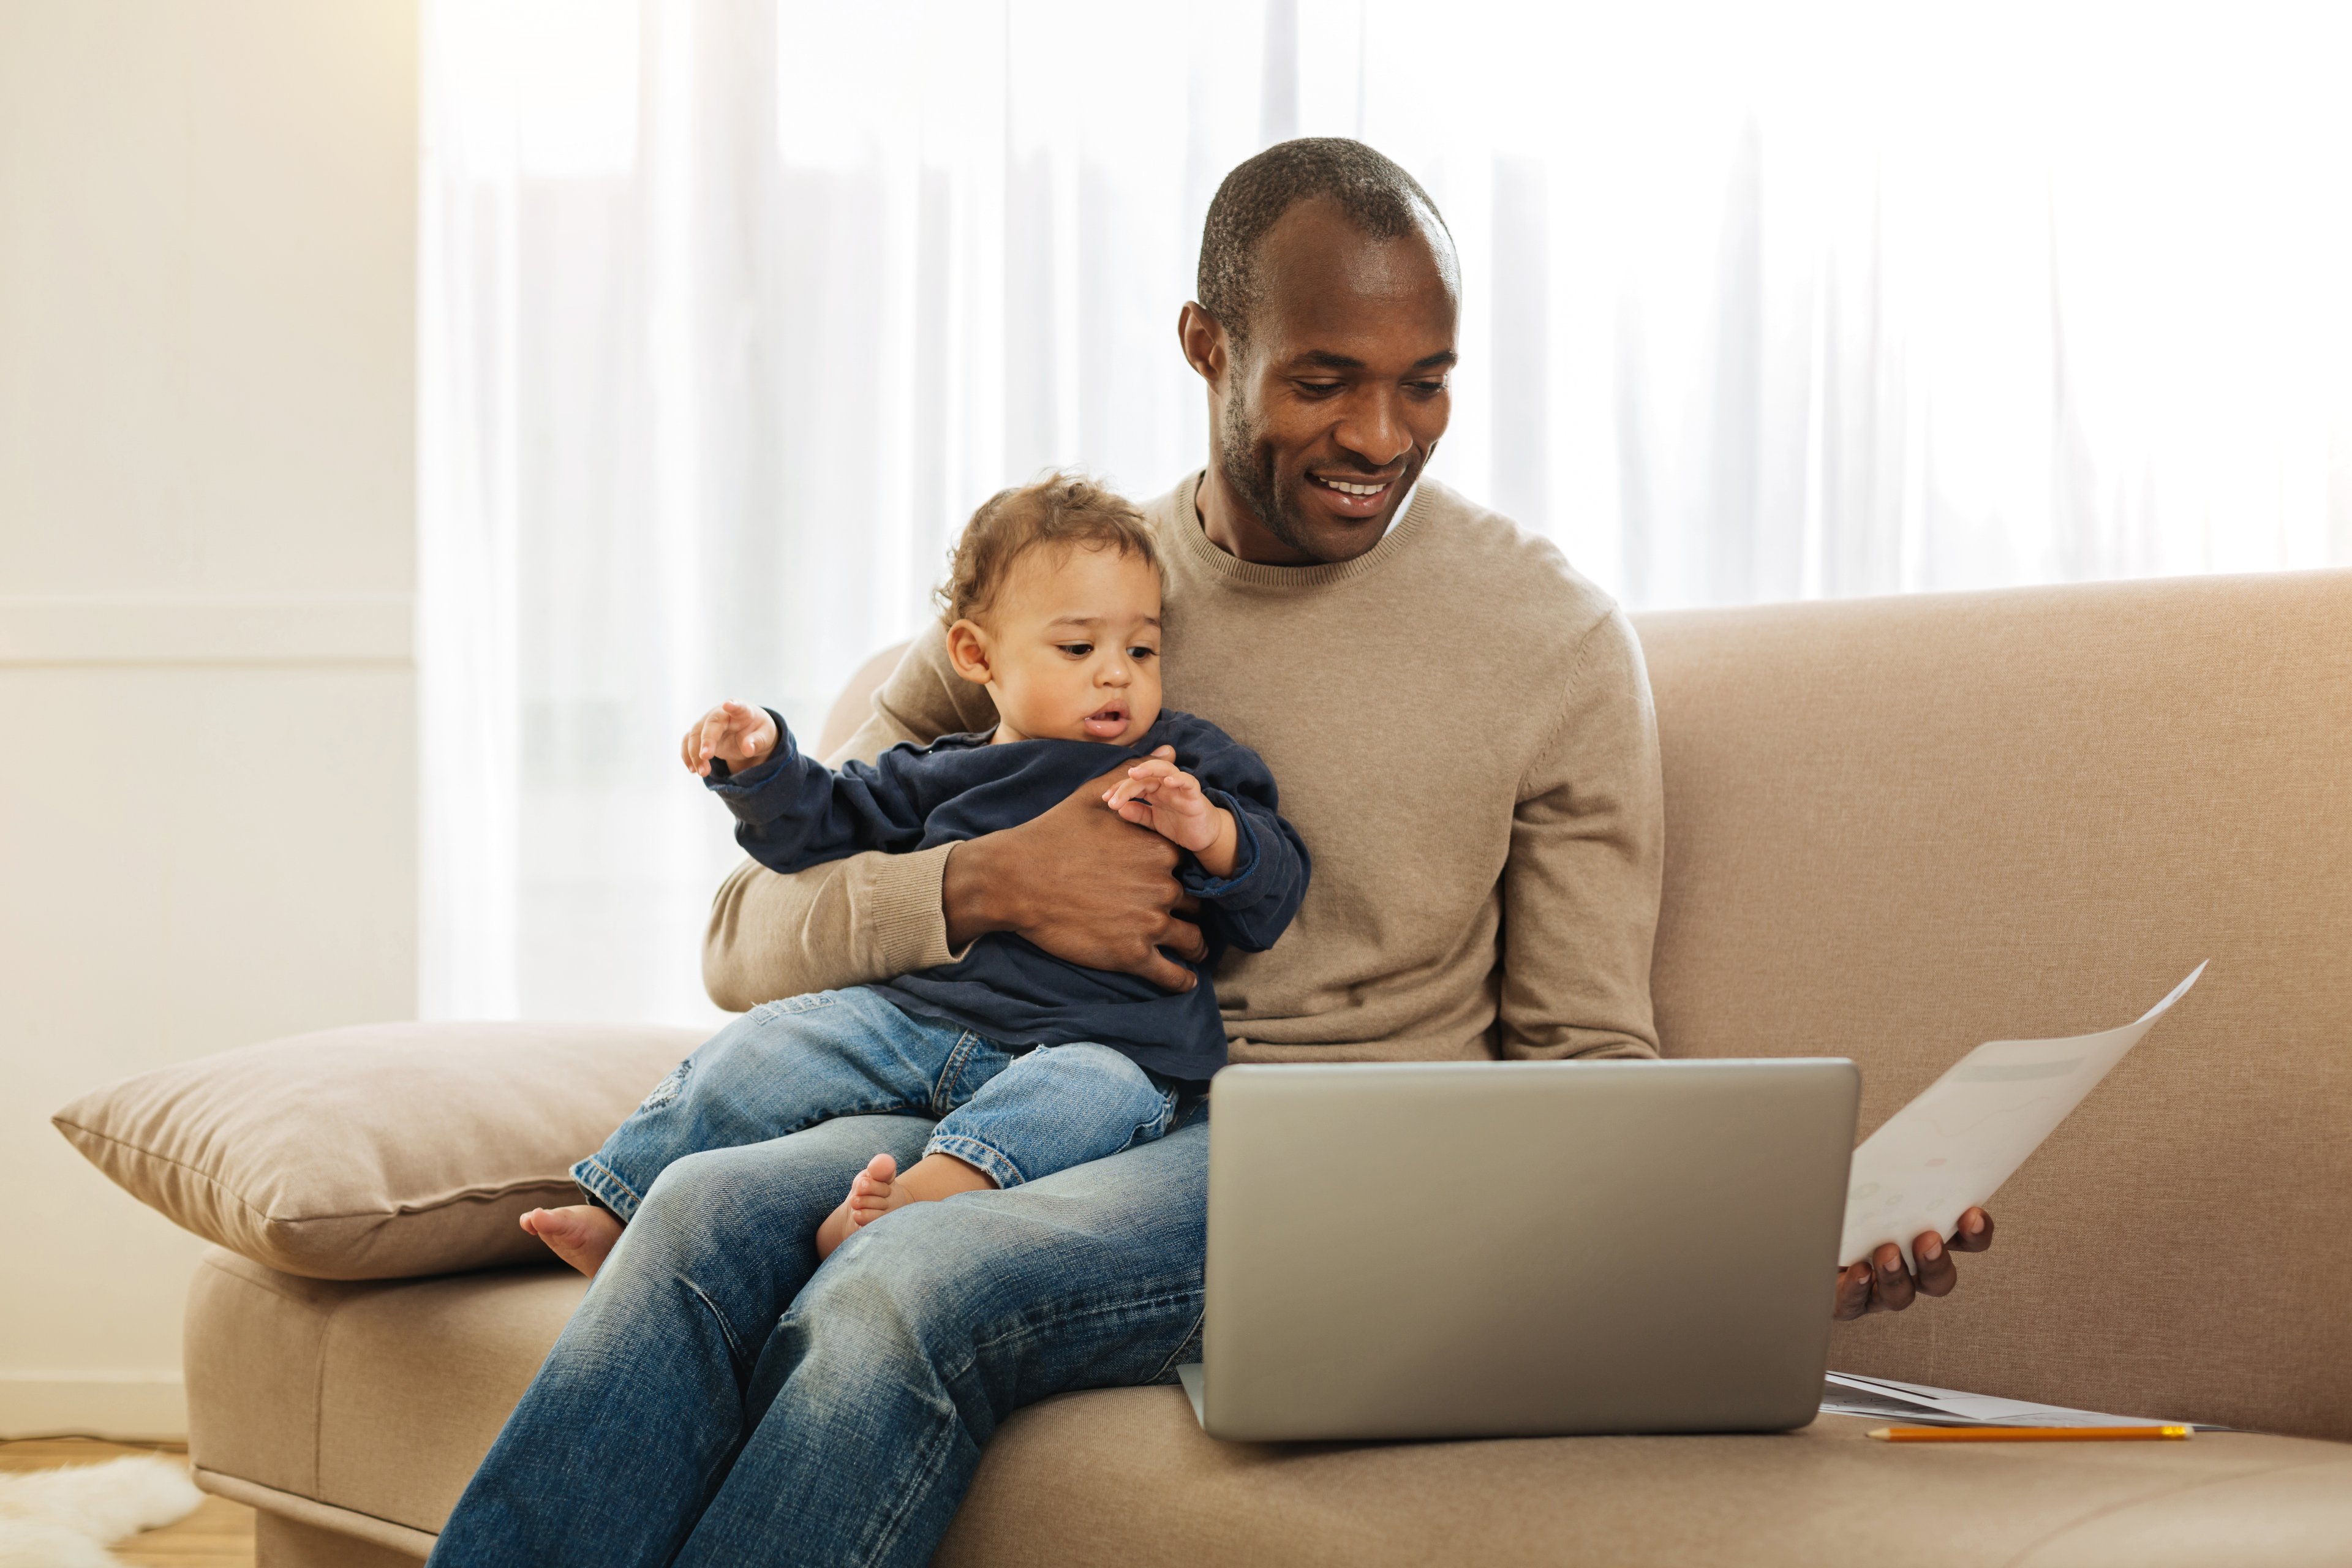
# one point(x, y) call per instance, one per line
point(217, 1535)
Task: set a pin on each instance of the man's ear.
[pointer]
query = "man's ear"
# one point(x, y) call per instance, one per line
point(968, 651)
point(1203, 338)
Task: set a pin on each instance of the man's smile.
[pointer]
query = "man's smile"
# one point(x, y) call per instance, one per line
point(1354, 497)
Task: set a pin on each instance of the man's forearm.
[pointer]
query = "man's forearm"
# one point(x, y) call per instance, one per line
point(847, 922)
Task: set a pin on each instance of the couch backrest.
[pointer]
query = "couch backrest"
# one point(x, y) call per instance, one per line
point(1898, 827)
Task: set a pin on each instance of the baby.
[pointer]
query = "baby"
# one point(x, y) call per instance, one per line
point(1031, 1064)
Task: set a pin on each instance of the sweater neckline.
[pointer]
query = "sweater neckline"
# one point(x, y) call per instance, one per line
point(1194, 540)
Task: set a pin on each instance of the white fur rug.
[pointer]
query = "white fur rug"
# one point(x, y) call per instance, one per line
point(67, 1518)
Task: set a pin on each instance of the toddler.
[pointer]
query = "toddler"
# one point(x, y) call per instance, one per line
point(1030, 1063)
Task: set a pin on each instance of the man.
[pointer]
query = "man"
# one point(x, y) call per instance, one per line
point(1462, 730)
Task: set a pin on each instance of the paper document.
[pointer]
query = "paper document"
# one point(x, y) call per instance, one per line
point(1844, 1394)
point(1952, 1148)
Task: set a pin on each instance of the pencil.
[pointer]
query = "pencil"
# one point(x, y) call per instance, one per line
point(2030, 1434)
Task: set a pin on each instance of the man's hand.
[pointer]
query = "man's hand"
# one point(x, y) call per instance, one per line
point(739, 736)
point(1881, 1284)
point(1083, 885)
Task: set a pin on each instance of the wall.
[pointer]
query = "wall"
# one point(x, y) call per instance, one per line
point(207, 801)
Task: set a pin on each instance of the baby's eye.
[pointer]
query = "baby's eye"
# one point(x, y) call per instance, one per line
point(1078, 649)
point(1143, 653)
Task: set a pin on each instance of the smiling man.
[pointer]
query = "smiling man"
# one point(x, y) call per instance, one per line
point(1462, 730)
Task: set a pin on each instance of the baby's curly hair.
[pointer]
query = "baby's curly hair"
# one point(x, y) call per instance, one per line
point(1061, 510)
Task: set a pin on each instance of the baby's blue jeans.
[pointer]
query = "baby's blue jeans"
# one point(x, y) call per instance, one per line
point(792, 1063)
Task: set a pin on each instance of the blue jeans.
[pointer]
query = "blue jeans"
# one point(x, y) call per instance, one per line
point(720, 1399)
point(789, 1065)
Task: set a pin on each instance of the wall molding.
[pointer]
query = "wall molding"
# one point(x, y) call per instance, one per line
point(110, 630)
point(146, 1405)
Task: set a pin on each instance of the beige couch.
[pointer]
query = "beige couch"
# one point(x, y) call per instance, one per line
point(1896, 829)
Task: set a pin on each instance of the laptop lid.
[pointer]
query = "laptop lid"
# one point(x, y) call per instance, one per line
point(1520, 1248)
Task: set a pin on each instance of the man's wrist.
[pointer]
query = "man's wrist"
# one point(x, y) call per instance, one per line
point(968, 893)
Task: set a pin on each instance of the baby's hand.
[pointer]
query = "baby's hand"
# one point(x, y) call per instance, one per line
point(1157, 794)
point(739, 736)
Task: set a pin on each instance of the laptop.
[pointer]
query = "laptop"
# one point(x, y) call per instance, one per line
point(1491, 1249)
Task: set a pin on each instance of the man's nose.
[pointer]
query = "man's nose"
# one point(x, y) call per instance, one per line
point(1374, 429)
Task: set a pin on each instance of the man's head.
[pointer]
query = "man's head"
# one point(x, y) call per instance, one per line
point(1052, 602)
point(1329, 291)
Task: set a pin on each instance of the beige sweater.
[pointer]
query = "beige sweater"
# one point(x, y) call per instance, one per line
point(1461, 728)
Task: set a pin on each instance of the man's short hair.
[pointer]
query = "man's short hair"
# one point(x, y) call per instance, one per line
point(1060, 511)
point(1373, 192)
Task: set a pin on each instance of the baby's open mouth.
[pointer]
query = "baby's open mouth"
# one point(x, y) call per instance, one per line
point(1108, 723)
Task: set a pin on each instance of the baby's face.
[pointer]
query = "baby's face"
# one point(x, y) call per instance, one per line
point(1071, 647)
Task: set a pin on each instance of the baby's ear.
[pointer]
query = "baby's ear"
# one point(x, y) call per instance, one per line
point(968, 651)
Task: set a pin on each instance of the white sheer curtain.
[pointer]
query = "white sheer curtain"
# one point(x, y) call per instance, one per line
point(730, 314)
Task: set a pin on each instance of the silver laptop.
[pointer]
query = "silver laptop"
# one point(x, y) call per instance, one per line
point(1487, 1249)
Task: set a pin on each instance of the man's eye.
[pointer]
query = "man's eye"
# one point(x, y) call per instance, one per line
point(1078, 649)
point(1320, 388)
point(1427, 388)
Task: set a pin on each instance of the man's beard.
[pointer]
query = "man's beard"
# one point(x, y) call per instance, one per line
point(1248, 470)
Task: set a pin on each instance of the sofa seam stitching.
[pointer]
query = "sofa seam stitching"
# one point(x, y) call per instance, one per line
point(503, 1190)
point(305, 1497)
point(319, 1400)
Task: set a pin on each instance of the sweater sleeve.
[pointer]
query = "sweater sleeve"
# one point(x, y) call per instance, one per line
point(849, 921)
point(1587, 851)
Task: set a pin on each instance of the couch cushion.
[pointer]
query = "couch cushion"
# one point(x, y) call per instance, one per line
point(1128, 1476)
point(378, 1400)
point(374, 1153)
point(1897, 827)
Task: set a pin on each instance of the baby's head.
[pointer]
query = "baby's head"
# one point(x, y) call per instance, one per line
point(1052, 603)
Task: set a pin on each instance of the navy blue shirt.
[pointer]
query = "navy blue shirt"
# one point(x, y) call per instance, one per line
point(791, 812)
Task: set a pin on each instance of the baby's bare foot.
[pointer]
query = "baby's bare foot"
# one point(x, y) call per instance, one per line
point(875, 1191)
point(582, 1235)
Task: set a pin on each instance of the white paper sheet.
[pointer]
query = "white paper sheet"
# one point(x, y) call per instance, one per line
point(1846, 1394)
point(1952, 1148)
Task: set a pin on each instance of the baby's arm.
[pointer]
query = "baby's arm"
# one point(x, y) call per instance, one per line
point(1252, 879)
point(1157, 794)
point(791, 812)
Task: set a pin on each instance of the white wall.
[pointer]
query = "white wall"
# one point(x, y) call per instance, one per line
point(207, 281)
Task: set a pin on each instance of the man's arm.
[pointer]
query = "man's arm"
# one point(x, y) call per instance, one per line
point(1580, 915)
point(862, 919)
point(1076, 881)
point(1587, 855)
